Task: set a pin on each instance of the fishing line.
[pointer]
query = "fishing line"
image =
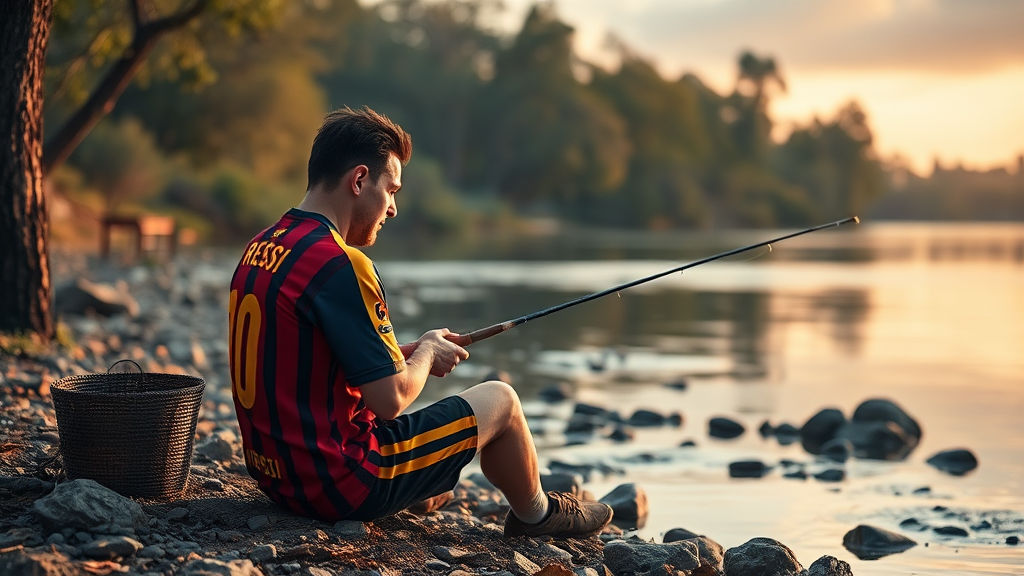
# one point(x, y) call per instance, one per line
point(481, 334)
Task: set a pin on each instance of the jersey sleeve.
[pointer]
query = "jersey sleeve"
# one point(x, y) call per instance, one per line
point(354, 318)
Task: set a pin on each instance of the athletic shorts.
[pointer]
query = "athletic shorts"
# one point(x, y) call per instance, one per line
point(421, 455)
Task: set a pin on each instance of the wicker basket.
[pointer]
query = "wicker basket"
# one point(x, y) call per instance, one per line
point(131, 432)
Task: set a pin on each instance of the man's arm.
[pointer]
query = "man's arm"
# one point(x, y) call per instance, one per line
point(432, 354)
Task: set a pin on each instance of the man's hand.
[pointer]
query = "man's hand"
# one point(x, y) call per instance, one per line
point(445, 352)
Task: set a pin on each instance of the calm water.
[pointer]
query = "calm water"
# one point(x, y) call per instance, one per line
point(930, 316)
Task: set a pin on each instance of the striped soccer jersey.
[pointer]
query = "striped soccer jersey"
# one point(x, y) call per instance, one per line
point(308, 325)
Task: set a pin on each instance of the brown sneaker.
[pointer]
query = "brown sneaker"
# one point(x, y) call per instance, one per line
point(568, 518)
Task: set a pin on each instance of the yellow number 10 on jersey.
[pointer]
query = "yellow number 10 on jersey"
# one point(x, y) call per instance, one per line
point(244, 355)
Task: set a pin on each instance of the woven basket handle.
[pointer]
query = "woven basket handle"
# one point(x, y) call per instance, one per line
point(114, 365)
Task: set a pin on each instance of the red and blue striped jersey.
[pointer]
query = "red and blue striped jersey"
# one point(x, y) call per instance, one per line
point(308, 326)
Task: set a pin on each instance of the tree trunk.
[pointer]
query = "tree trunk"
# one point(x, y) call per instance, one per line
point(25, 294)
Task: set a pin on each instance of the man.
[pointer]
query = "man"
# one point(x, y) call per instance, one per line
point(320, 383)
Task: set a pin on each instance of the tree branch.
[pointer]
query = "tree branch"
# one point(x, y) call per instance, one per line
point(110, 88)
point(136, 12)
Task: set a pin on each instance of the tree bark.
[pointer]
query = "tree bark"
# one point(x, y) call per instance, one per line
point(102, 100)
point(25, 293)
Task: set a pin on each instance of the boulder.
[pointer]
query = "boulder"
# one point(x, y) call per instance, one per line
point(211, 567)
point(748, 469)
point(111, 547)
point(591, 410)
point(766, 429)
point(821, 428)
point(631, 556)
point(829, 566)
point(761, 556)
point(628, 502)
point(81, 296)
point(956, 462)
point(726, 428)
point(869, 543)
point(86, 505)
point(837, 450)
point(879, 410)
point(877, 440)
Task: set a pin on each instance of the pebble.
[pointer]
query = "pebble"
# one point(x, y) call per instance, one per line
point(725, 428)
point(262, 553)
point(349, 529)
point(111, 548)
point(833, 475)
point(748, 469)
point(950, 531)
point(955, 462)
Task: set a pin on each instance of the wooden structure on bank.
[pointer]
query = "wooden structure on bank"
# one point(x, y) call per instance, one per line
point(150, 233)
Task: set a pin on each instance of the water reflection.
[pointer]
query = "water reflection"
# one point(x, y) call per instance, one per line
point(927, 315)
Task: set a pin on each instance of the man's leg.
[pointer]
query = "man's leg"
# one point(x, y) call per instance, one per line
point(508, 456)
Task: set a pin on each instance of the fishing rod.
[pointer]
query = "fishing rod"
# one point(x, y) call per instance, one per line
point(484, 333)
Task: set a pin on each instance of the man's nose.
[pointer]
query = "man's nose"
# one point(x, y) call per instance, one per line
point(392, 208)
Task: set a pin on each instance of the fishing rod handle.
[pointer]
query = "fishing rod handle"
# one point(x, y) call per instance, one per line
point(485, 333)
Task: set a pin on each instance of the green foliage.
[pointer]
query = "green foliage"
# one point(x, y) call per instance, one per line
point(233, 100)
point(120, 159)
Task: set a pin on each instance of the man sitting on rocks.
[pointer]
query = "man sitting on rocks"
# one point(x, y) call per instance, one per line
point(320, 382)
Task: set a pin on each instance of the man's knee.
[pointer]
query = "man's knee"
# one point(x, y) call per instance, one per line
point(494, 397)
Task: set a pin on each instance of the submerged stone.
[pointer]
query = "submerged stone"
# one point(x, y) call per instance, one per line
point(956, 462)
point(821, 428)
point(869, 542)
point(726, 428)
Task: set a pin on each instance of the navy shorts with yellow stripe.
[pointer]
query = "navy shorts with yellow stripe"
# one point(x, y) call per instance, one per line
point(421, 455)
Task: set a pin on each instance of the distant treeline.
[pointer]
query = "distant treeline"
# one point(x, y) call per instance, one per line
point(217, 128)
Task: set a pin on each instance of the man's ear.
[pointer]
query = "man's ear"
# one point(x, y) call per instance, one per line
point(360, 174)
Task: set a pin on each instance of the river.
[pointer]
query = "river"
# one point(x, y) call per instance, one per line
point(930, 316)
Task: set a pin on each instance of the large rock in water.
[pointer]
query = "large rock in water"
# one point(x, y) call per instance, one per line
point(80, 296)
point(956, 462)
point(869, 543)
point(761, 556)
point(696, 557)
point(879, 410)
point(88, 506)
point(628, 502)
point(821, 428)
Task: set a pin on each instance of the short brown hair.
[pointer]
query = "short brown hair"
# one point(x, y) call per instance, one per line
point(349, 138)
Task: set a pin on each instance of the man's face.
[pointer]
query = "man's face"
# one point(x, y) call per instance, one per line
point(375, 204)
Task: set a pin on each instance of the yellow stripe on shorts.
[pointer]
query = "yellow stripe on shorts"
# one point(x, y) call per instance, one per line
point(428, 436)
point(425, 461)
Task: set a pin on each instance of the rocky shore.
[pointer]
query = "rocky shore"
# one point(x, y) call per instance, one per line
point(170, 319)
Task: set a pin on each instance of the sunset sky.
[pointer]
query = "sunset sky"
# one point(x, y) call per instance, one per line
point(938, 78)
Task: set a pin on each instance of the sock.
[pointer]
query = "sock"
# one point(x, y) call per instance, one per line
point(537, 510)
